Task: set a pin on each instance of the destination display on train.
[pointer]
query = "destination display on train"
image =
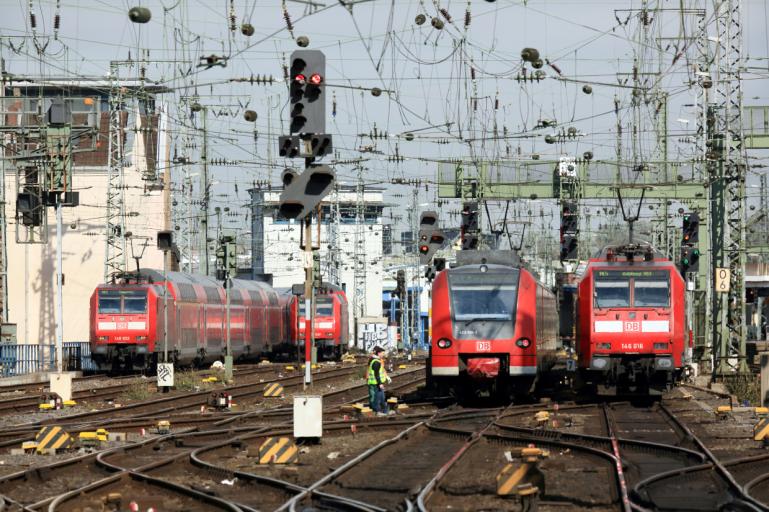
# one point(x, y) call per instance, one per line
point(615, 274)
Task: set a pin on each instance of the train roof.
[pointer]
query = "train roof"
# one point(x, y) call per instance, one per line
point(150, 276)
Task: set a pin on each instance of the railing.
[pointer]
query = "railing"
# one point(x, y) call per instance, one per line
point(21, 359)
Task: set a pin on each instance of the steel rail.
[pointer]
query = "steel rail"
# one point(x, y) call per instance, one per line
point(714, 460)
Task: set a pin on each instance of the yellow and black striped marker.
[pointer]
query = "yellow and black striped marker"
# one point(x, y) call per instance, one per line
point(273, 390)
point(761, 430)
point(723, 411)
point(53, 438)
point(278, 450)
point(514, 479)
point(760, 412)
point(511, 477)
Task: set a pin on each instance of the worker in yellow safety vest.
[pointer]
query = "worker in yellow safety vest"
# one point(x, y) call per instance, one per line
point(377, 377)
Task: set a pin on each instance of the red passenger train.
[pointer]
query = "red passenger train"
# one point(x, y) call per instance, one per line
point(332, 320)
point(126, 323)
point(631, 328)
point(494, 326)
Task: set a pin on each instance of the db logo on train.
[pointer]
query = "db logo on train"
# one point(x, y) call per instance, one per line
point(632, 326)
point(483, 346)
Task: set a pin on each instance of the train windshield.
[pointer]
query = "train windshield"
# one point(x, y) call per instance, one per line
point(129, 302)
point(651, 292)
point(483, 296)
point(612, 294)
point(651, 288)
point(324, 306)
point(135, 302)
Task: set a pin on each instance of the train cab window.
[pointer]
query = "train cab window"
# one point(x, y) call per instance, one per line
point(648, 293)
point(123, 301)
point(612, 294)
point(135, 303)
point(109, 304)
point(489, 296)
point(324, 306)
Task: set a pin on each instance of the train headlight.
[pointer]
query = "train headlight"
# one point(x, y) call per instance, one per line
point(141, 338)
point(102, 338)
point(599, 363)
point(661, 346)
point(523, 343)
point(444, 343)
point(663, 363)
point(603, 346)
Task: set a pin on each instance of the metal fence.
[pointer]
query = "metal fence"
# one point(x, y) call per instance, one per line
point(20, 359)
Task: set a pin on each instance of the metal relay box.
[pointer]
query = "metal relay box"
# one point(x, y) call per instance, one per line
point(308, 416)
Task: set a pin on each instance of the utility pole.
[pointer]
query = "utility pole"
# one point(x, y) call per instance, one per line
point(727, 170)
point(115, 252)
point(205, 195)
point(359, 253)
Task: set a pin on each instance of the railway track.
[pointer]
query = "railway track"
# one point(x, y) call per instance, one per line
point(164, 467)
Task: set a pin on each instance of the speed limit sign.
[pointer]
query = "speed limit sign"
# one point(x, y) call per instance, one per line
point(723, 278)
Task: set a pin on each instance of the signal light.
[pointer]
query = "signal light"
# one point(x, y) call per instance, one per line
point(430, 237)
point(316, 79)
point(300, 78)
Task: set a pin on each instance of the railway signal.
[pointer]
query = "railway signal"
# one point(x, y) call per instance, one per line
point(569, 231)
point(569, 247)
point(470, 228)
point(690, 259)
point(430, 237)
point(303, 193)
point(308, 105)
point(690, 254)
point(691, 229)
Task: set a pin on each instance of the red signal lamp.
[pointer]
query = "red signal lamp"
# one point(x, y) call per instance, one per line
point(316, 79)
point(424, 249)
point(300, 78)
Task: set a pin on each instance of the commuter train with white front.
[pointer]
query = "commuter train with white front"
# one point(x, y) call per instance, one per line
point(494, 326)
point(632, 335)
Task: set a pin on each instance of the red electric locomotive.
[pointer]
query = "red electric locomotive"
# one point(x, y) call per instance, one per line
point(631, 330)
point(493, 326)
point(126, 323)
point(331, 322)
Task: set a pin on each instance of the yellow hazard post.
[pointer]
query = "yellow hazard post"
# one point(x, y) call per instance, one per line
point(273, 390)
point(761, 431)
point(525, 478)
point(278, 450)
point(50, 439)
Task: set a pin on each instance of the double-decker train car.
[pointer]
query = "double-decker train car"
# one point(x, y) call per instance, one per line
point(494, 326)
point(631, 328)
point(331, 322)
point(127, 320)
